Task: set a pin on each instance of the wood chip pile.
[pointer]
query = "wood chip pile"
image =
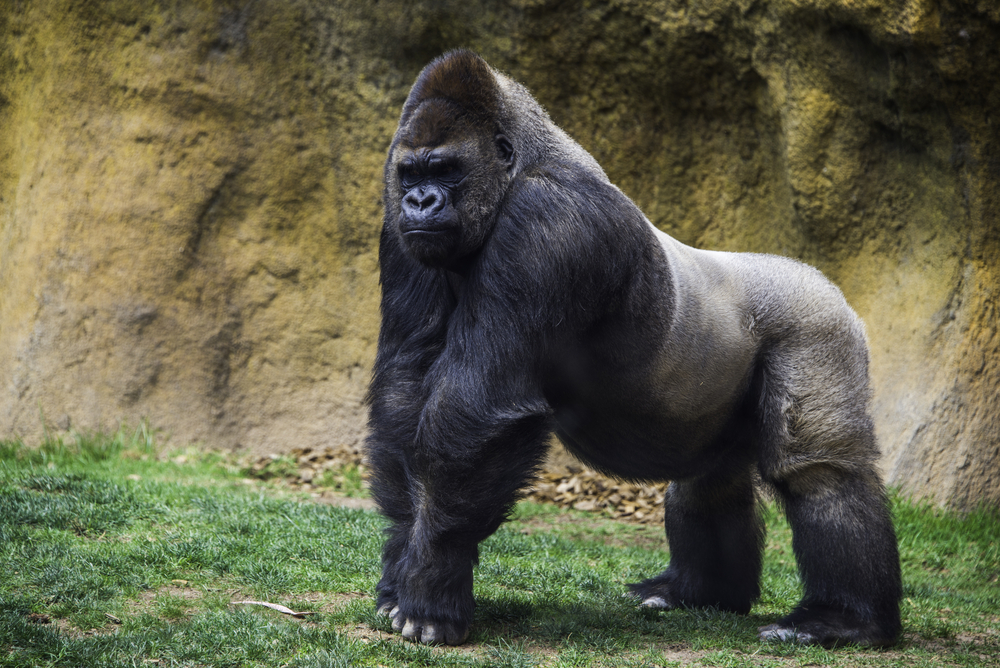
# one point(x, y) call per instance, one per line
point(302, 465)
point(576, 486)
point(563, 481)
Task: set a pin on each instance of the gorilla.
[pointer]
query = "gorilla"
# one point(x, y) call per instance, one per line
point(524, 294)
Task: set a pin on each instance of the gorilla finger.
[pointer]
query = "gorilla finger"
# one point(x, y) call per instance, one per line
point(411, 630)
point(397, 621)
point(431, 635)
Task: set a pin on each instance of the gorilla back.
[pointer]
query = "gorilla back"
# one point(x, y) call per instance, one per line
point(523, 293)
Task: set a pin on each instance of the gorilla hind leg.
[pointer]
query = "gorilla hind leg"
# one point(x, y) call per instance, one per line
point(716, 539)
point(845, 545)
point(817, 448)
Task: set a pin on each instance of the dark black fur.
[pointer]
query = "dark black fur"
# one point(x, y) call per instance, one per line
point(522, 293)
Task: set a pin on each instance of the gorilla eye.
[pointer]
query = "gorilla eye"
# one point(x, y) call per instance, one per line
point(408, 175)
point(446, 170)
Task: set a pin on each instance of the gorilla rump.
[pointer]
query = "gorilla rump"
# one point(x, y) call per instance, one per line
point(523, 293)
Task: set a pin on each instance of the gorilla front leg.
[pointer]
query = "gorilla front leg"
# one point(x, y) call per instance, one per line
point(458, 497)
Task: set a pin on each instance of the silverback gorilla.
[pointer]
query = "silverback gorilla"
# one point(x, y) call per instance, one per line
point(523, 293)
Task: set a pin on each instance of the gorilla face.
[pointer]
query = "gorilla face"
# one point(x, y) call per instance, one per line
point(430, 193)
point(445, 181)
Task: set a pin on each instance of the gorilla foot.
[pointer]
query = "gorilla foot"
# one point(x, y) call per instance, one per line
point(666, 592)
point(829, 628)
point(653, 594)
point(423, 630)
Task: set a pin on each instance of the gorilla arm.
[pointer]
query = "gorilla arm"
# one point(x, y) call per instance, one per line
point(480, 434)
point(477, 428)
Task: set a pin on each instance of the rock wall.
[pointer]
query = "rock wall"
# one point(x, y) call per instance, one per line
point(189, 193)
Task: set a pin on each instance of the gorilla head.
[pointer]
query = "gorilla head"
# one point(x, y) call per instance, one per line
point(449, 165)
point(524, 294)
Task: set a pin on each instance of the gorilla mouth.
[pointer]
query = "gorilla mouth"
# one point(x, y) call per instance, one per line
point(418, 229)
point(425, 231)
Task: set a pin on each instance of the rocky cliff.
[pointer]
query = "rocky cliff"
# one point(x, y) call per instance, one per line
point(189, 193)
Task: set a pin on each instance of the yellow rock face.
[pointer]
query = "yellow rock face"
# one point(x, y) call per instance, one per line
point(189, 193)
point(189, 233)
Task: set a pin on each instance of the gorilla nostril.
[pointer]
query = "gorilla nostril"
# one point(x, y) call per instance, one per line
point(423, 201)
point(429, 201)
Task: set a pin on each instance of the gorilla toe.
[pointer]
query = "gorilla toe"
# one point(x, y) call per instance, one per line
point(786, 634)
point(826, 627)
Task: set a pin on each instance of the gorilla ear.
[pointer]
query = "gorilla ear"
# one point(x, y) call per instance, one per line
point(459, 76)
point(505, 149)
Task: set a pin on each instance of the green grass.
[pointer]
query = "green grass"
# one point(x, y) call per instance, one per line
point(135, 557)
